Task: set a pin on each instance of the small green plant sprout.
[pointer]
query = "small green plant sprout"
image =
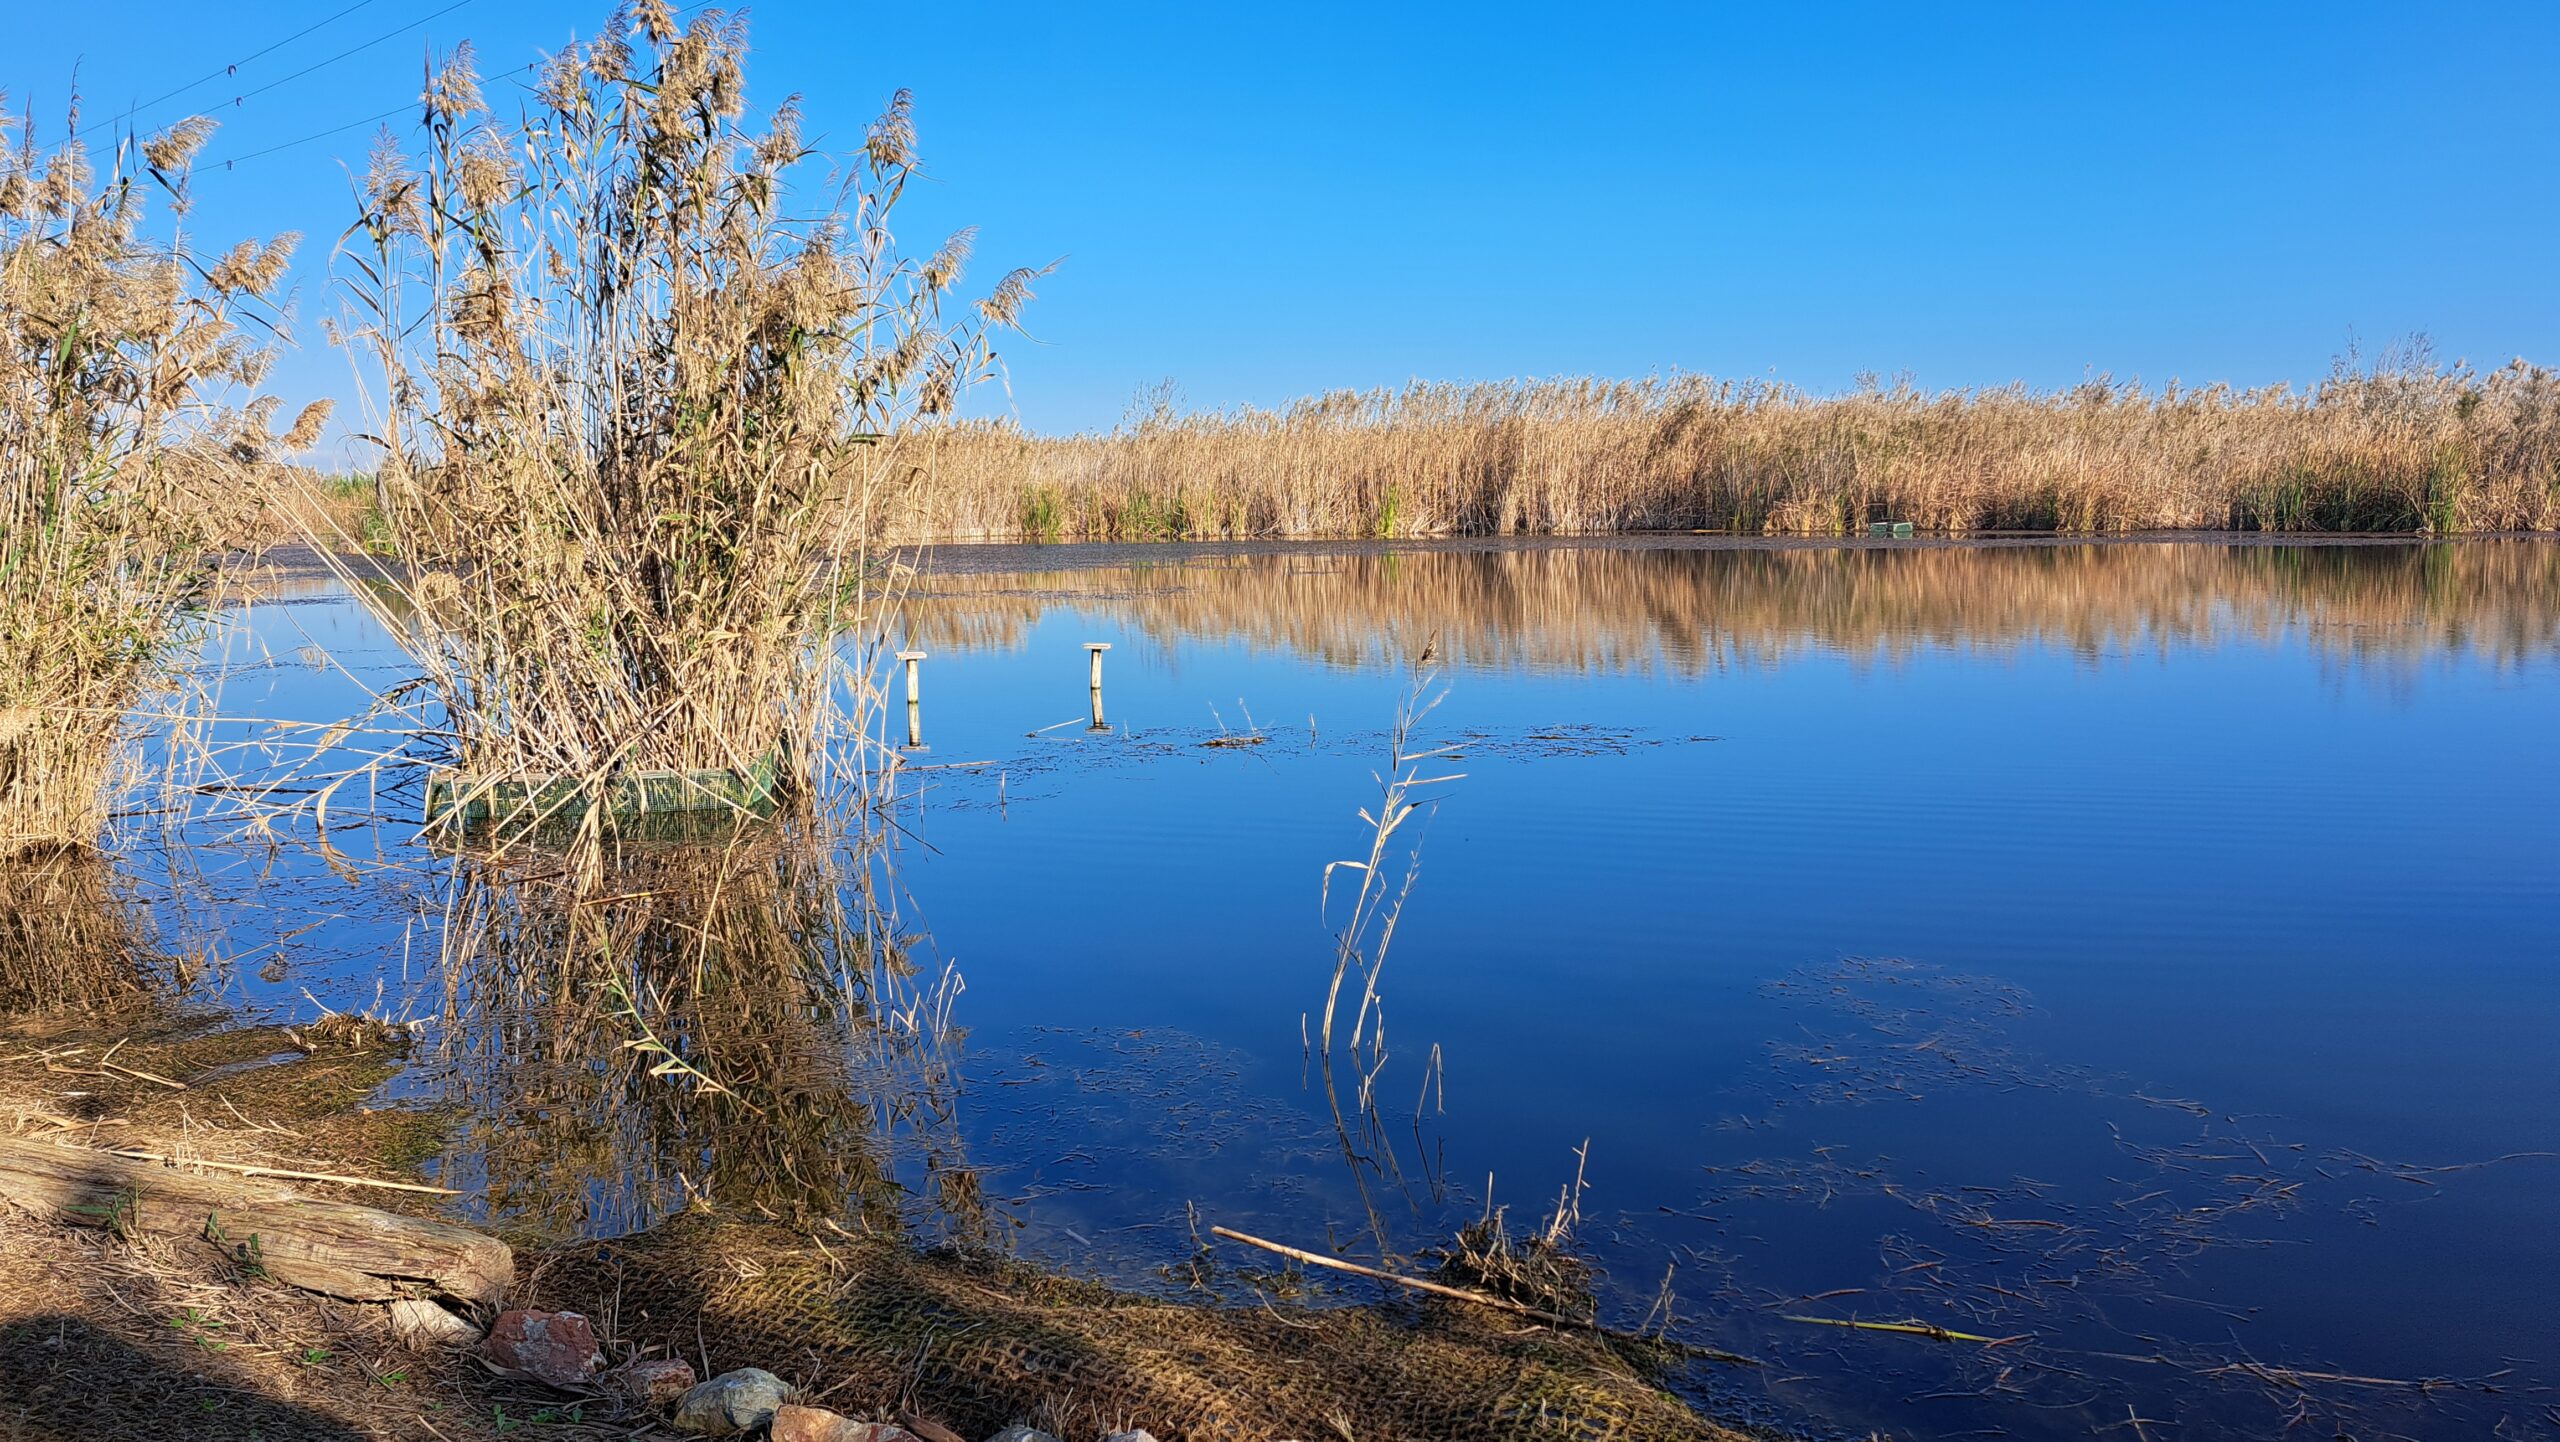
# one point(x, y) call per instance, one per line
point(249, 1255)
point(199, 1325)
point(116, 1213)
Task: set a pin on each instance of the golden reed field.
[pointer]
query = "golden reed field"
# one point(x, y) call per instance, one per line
point(2401, 446)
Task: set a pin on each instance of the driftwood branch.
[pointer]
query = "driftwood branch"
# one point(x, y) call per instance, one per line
point(356, 1252)
point(1437, 1289)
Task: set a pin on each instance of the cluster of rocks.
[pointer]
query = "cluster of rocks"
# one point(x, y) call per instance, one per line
point(558, 1349)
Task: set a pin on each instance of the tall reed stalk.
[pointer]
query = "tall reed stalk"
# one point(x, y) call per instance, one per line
point(644, 403)
point(1376, 899)
point(128, 418)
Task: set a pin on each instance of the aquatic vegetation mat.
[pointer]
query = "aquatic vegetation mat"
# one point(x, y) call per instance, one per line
point(2131, 1267)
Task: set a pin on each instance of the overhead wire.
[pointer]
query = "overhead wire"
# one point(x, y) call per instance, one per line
point(233, 68)
point(228, 161)
point(355, 50)
point(318, 65)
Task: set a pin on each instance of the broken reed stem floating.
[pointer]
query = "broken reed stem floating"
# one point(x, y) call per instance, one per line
point(1484, 1299)
point(1462, 1294)
point(1929, 1330)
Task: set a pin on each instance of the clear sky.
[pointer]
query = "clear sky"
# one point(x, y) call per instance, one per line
point(1258, 201)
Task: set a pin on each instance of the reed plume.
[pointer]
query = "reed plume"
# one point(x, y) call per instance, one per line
point(129, 421)
point(644, 406)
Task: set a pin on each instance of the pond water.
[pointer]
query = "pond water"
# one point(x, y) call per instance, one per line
point(2144, 954)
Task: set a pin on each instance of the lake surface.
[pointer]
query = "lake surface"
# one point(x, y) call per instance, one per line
point(2144, 954)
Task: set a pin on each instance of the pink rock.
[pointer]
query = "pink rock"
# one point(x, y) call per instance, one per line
point(558, 1348)
point(656, 1380)
point(794, 1423)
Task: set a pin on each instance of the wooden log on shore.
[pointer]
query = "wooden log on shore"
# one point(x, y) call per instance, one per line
point(360, 1253)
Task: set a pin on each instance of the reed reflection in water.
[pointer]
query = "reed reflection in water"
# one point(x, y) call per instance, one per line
point(1693, 608)
point(73, 941)
point(743, 1027)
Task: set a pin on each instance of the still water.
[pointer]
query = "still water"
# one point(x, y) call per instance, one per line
point(2146, 955)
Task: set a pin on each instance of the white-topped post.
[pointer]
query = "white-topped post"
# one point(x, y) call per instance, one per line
point(915, 699)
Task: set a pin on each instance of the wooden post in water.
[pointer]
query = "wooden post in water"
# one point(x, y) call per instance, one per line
point(1095, 650)
point(915, 699)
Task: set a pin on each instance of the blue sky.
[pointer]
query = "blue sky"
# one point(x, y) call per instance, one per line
point(1261, 201)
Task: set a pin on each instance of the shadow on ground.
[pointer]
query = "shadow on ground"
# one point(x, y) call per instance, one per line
point(64, 1380)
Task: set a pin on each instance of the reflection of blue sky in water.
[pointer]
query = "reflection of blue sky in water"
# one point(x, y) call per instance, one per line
point(2212, 869)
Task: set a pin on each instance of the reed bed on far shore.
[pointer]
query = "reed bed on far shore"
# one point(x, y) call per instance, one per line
point(2404, 445)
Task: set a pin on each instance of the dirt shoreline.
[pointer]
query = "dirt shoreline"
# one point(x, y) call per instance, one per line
point(105, 1335)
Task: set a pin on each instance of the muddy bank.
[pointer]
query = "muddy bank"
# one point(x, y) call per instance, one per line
point(114, 1331)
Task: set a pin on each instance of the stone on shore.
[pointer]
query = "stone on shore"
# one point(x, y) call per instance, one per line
point(731, 1403)
point(792, 1423)
point(655, 1381)
point(555, 1348)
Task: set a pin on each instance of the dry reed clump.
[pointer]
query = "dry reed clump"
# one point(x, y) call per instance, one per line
point(127, 415)
point(645, 405)
point(2403, 445)
point(1539, 1270)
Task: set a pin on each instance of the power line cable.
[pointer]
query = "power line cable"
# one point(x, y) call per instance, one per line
point(356, 50)
point(228, 161)
point(233, 68)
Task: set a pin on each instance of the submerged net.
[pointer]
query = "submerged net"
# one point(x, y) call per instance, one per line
point(982, 1342)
